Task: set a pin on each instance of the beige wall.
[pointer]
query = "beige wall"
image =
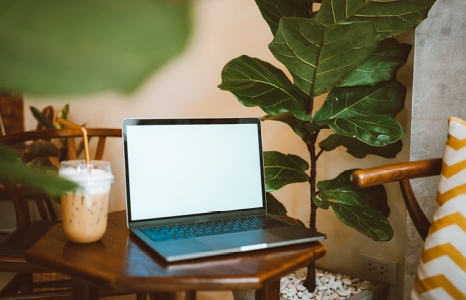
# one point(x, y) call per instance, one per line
point(187, 87)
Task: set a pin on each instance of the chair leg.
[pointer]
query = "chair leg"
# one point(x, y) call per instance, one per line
point(20, 282)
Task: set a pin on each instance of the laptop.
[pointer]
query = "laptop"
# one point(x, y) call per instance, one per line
point(195, 188)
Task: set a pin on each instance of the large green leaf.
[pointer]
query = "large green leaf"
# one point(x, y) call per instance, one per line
point(381, 65)
point(298, 126)
point(257, 83)
point(12, 168)
point(340, 190)
point(273, 10)
point(390, 17)
point(375, 131)
point(366, 209)
point(274, 206)
point(74, 47)
point(383, 99)
point(360, 149)
point(317, 56)
point(282, 169)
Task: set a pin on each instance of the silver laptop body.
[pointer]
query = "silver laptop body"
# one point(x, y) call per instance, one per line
point(183, 172)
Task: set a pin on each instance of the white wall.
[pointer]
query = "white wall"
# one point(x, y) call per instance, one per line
point(187, 87)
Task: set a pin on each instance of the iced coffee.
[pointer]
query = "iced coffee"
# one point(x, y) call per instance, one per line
point(84, 211)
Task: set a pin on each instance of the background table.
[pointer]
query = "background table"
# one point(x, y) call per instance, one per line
point(121, 263)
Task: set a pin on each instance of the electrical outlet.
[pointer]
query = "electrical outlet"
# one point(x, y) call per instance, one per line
point(377, 268)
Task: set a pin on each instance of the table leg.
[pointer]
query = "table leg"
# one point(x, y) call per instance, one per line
point(269, 292)
point(83, 291)
point(189, 295)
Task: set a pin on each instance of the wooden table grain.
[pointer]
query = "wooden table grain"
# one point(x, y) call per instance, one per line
point(121, 263)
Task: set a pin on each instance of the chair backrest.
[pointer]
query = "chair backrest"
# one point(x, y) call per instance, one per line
point(17, 194)
point(403, 173)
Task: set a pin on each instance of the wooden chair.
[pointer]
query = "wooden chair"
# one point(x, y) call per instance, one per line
point(402, 172)
point(15, 244)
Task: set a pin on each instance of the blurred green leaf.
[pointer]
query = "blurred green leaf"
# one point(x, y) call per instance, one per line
point(56, 47)
point(381, 65)
point(298, 126)
point(41, 118)
point(257, 83)
point(44, 163)
point(39, 149)
point(317, 56)
point(13, 169)
point(366, 210)
point(282, 169)
point(64, 114)
point(389, 17)
point(273, 10)
point(360, 149)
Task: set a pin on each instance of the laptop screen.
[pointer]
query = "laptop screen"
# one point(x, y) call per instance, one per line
point(192, 166)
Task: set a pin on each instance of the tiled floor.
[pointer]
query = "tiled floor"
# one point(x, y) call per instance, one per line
point(218, 295)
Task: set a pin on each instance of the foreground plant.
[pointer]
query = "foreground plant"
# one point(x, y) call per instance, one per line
point(347, 49)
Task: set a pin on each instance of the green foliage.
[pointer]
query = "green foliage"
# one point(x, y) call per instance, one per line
point(13, 169)
point(282, 169)
point(359, 149)
point(257, 83)
point(317, 55)
point(346, 49)
point(273, 10)
point(365, 210)
point(389, 17)
point(41, 118)
point(56, 47)
point(381, 65)
point(274, 206)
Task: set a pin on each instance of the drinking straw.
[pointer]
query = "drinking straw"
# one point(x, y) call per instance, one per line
point(86, 142)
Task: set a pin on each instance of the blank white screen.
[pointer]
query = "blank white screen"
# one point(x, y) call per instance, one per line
point(177, 170)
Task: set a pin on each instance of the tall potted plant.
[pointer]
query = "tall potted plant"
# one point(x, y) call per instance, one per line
point(345, 49)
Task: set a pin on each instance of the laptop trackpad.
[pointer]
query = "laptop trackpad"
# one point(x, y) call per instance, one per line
point(254, 239)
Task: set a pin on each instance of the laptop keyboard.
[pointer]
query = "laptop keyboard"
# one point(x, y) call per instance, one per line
point(192, 230)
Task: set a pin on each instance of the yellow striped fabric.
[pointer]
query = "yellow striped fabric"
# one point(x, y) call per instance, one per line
point(442, 272)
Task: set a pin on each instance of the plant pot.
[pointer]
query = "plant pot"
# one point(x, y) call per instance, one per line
point(379, 291)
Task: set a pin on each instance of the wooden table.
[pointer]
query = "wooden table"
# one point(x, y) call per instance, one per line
point(121, 263)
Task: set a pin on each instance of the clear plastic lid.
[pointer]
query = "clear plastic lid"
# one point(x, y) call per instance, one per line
point(78, 171)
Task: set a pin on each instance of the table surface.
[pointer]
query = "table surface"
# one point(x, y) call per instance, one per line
point(120, 262)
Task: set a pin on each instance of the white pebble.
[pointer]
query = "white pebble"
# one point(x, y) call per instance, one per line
point(305, 297)
point(346, 281)
point(355, 280)
point(344, 293)
point(301, 288)
point(321, 288)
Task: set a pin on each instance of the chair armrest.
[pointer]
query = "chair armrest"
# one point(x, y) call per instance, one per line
point(396, 172)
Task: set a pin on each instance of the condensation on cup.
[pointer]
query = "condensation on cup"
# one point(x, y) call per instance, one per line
point(84, 211)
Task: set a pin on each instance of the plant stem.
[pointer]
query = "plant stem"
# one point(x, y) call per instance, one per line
point(310, 282)
point(311, 146)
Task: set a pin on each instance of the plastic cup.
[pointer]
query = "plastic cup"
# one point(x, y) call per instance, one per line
point(84, 211)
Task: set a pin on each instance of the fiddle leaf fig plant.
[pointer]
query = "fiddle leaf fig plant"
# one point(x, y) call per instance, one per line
point(346, 49)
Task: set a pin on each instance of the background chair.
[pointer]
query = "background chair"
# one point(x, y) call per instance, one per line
point(15, 244)
point(403, 173)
